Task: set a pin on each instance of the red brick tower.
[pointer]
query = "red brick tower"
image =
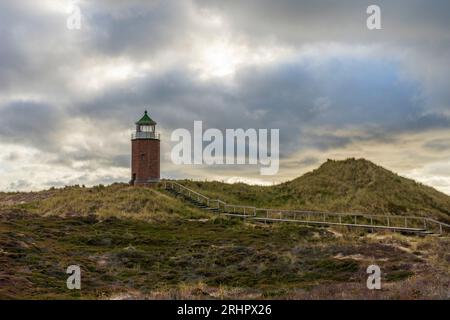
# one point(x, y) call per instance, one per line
point(145, 153)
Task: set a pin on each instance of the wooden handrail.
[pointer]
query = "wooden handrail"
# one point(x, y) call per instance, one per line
point(209, 200)
point(388, 220)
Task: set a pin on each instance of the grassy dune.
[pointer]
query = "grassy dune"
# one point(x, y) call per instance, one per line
point(117, 200)
point(143, 243)
point(346, 186)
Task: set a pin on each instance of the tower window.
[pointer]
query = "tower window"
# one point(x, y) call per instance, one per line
point(142, 156)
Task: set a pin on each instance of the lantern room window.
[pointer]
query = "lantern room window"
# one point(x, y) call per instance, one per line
point(146, 128)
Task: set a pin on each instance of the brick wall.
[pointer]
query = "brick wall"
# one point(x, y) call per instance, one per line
point(145, 161)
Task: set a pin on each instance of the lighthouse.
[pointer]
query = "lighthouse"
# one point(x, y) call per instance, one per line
point(145, 150)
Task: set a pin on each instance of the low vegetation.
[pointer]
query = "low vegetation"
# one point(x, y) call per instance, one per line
point(143, 243)
point(214, 258)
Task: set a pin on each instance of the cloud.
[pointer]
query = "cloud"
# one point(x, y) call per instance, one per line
point(29, 123)
point(292, 22)
point(438, 145)
point(68, 99)
point(141, 28)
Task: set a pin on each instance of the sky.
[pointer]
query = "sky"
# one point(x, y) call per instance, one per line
point(312, 69)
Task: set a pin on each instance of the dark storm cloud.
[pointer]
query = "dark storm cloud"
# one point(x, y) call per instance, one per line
point(30, 123)
point(13, 59)
point(293, 97)
point(416, 31)
point(295, 22)
point(274, 98)
point(141, 28)
point(163, 93)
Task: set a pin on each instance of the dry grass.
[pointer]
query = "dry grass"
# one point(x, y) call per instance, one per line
point(139, 243)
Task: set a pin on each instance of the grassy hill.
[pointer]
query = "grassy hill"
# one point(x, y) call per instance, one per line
point(117, 200)
point(157, 254)
point(345, 186)
point(143, 243)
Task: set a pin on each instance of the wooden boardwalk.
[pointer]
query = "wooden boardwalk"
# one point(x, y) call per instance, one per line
point(407, 224)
